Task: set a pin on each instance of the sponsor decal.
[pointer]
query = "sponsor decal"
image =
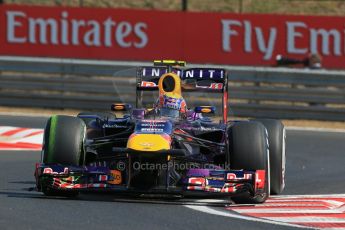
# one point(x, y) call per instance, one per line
point(52, 172)
point(211, 86)
point(211, 185)
point(152, 130)
point(115, 177)
point(146, 144)
point(260, 179)
point(233, 176)
point(197, 183)
point(103, 178)
point(120, 34)
point(64, 28)
point(148, 84)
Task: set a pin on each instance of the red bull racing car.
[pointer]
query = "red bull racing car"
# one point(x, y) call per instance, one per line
point(168, 147)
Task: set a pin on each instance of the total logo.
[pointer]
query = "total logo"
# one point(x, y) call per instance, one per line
point(115, 177)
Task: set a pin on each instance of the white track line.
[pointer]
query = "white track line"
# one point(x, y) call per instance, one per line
point(212, 211)
point(26, 114)
point(20, 138)
point(329, 196)
point(319, 205)
point(314, 129)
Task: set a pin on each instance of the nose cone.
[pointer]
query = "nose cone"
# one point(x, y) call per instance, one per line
point(149, 142)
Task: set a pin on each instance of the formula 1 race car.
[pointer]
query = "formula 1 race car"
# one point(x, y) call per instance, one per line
point(168, 147)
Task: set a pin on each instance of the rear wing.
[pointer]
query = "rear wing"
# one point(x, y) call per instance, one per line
point(213, 80)
point(192, 79)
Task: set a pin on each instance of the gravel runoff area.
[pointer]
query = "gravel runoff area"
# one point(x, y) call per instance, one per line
point(48, 112)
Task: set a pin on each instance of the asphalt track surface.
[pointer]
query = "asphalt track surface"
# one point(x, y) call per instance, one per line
point(315, 165)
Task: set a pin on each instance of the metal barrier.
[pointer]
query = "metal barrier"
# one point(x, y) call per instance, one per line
point(91, 84)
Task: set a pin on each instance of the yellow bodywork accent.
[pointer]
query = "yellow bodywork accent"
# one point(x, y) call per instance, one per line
point(148, 142)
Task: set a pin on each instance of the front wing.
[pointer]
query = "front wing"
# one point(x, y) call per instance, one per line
point(195, 182)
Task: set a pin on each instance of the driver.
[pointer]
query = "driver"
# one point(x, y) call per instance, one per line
point(170, 102)
point(171, 105)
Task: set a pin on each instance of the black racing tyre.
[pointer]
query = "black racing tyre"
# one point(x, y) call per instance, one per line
point(64, 141)
point(63, 144)
point(248, 149)
point(276, 140)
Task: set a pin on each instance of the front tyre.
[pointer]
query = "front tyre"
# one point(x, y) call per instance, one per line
point(63, 144)
point(276, 140)
point(248, 150)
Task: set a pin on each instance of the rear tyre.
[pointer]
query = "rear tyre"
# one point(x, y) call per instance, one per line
point(63, 144)
point(247, 149)
point(276, 140)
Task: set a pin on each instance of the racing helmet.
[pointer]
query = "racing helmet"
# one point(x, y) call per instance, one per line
point(171, 105)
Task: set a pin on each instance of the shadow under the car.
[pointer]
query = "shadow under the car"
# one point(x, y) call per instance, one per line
point(31, 193)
